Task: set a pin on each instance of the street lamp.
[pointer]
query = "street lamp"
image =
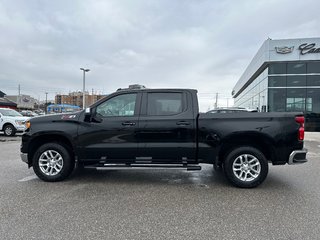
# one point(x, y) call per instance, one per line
point(46, 109)
point(84, 82)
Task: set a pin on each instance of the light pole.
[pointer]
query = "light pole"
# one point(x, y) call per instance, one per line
point(45, 110)
point(84, 87)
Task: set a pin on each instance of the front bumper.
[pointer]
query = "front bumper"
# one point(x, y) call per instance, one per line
point(24, 157)
point(298, 157)
point(20, 128)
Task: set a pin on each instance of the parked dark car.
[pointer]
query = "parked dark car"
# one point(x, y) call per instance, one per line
point(312, 121)
point(162, 128)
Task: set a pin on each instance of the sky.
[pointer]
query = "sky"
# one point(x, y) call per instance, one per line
point(199, 44)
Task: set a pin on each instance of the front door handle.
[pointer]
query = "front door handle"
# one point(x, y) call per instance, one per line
point(128, 124)
point(183, 123)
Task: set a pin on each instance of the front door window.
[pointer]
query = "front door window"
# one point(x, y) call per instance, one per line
point(122, 105)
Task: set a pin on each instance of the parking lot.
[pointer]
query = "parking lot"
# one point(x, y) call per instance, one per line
point(158, 204)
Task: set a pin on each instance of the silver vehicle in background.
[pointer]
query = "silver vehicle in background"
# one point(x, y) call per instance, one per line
point(11, 121)
point(232, 110)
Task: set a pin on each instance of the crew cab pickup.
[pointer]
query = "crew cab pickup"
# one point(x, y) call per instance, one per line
point(162, 128)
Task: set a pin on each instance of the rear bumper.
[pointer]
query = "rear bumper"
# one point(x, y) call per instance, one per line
point(298, 157)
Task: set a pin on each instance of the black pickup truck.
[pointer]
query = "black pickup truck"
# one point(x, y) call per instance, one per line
point(162, 128)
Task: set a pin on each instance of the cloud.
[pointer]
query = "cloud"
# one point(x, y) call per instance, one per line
point(194, 44)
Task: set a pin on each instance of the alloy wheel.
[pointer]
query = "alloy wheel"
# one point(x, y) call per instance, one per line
point(50, 162)
point(246, 167)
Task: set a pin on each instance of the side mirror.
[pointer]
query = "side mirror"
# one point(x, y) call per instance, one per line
point(87, 115)
point(91, 116)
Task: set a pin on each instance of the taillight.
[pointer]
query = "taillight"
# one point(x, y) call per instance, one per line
point(300, 120)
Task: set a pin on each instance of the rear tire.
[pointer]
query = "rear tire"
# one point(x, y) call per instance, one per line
point(9, 130)
point(245, 167)
point(52, 162)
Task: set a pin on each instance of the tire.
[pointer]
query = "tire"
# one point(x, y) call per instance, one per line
point(245, 167)
point(9, 130)
point(52, 162)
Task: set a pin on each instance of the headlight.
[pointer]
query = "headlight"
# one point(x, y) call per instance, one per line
point(27, 124)
point(19, 122)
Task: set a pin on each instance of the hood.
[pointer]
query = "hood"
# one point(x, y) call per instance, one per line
point(22, 118)
point(57, 117)
point(19, 118)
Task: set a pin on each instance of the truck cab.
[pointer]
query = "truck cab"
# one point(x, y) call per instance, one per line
point(140, 126)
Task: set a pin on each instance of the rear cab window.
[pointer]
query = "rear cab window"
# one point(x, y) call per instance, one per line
point(165, 103)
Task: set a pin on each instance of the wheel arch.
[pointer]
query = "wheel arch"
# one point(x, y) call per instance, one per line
point(6, 124)
point(40, 140)
point(259, 141)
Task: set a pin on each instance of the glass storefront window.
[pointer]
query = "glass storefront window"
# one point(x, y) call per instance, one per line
point(309, 105)
point(313, 80)
point(296, 92)
point(286, 87)
point(296, 81)
point(296, 99)
point(277, 100)
point(314, 102)
point(295, 104)
point(277, 68)
point(313, 67)
point(313, 110)
point(296, 68)
point(277, 81)
point(251, 96)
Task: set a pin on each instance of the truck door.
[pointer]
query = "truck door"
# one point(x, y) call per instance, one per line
point(167, 127)
point(113, 136)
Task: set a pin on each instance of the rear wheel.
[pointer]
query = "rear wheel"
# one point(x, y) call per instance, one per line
point(52, 162)
point(246, 167)
point(9, 130)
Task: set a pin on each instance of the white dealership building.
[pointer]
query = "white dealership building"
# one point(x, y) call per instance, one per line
point(283, 76)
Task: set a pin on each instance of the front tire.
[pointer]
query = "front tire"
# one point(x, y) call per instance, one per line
point(52, 162)
point(9, 130)
point(246, 167)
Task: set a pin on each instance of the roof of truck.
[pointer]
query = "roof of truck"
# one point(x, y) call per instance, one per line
point(138, 87)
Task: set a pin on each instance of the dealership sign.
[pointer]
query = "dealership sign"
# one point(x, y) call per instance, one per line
point(284, 50)
point(304, 48)
point(308, 48)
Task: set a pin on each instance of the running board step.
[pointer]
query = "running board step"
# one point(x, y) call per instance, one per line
point(188, 167)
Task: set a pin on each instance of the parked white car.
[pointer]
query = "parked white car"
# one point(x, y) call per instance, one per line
point(11, 121)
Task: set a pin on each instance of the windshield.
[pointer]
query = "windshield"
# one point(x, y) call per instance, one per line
point(10, 113)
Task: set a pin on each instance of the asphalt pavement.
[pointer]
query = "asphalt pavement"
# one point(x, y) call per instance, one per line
point(158, 204)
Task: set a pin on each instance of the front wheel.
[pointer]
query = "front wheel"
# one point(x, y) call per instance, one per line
point(9, 130)
point(52, 162)
point(246, 167)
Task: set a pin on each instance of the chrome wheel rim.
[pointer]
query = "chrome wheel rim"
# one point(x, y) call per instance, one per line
point(8, 130)
point(50, 162)
point(246, 167)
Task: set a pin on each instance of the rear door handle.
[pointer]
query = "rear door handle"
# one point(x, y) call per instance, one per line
point(183, 123)
point(128, 124)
